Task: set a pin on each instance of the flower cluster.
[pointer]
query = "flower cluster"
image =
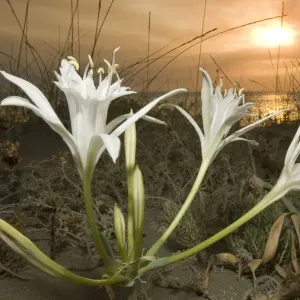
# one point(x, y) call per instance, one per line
point(90, 135)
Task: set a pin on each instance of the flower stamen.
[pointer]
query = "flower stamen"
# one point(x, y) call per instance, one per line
point(91, 63)
point(74, 62)
point(100, 71)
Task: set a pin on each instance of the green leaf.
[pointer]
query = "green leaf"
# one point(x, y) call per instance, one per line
point(23, 246)
point(139, 207)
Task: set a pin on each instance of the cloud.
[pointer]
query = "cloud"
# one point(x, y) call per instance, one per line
point(172, 21)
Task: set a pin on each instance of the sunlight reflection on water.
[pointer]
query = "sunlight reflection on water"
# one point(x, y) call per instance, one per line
point(266, 104)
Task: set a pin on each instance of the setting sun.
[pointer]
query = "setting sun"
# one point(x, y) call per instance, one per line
point(272, 37)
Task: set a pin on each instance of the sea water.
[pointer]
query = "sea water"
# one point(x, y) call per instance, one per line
point(264, 104)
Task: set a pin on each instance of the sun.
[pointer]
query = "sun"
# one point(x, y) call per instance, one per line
point(272, 37)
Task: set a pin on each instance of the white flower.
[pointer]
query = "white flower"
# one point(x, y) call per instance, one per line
point(219, 114)
point(88, 107)
point(290, 175)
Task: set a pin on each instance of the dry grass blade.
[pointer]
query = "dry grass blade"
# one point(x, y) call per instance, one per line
point(168, 63)
point(223, 71)
point(296, 222)
point(34, 53)
point(254, 264)
point(25, 25)
point(191, 46)
point(262, 85)
point(200, 52)
point(228, 258)
point(273, 239)
point(277, 84)
point(271, 245)
point(110, 292)
point(197, 38)
point(281, 272)
point(294, 255)
point(204, 283)
point(97, 34)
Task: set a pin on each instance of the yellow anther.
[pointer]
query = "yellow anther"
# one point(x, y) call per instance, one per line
point(75, 64)
point(73, 61)
point(101, 71)
point(221, 82)
point(241, 91)
point(71, 58)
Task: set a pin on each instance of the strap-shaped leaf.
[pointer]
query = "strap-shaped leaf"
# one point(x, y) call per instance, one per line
point(23, 246)
point(139, 207)
point(120, 230)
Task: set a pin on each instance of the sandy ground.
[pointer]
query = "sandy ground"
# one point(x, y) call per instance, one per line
point(223, 283)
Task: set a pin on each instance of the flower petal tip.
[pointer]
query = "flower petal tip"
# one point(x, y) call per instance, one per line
point(166, 105)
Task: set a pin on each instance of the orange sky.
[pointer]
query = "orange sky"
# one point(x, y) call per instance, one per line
point(239, 53)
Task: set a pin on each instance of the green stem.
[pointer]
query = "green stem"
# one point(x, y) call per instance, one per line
point(101, 243)
point(154, 249)
point(164, 261)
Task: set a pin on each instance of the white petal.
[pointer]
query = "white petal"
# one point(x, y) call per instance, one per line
point(32, 91)
point(71, 143)
point(206, 97)
point(112, 145)
point(104, 85)
point(239, 113)
point(296, 171)
point(153, 120)
point(128, 122)
point(19, 101)
point(115, 122)
point(116, 86)
point(97, 146)
point(250, 127)
point(144, 111)
point(54, 123)
point(289, 181)
point(68, 73)
point(230, 94)
point(89, 90)
point(119, 94)
point(76, 105)
point(225, 142)
point(192, 121)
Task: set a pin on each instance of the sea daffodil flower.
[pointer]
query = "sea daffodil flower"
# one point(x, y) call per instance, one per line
point(219, 114)
point(88, 106)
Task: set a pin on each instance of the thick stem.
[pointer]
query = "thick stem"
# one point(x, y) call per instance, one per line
point(154, 249)
point(164, 261)
point(101, 243)
point(130, 215)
